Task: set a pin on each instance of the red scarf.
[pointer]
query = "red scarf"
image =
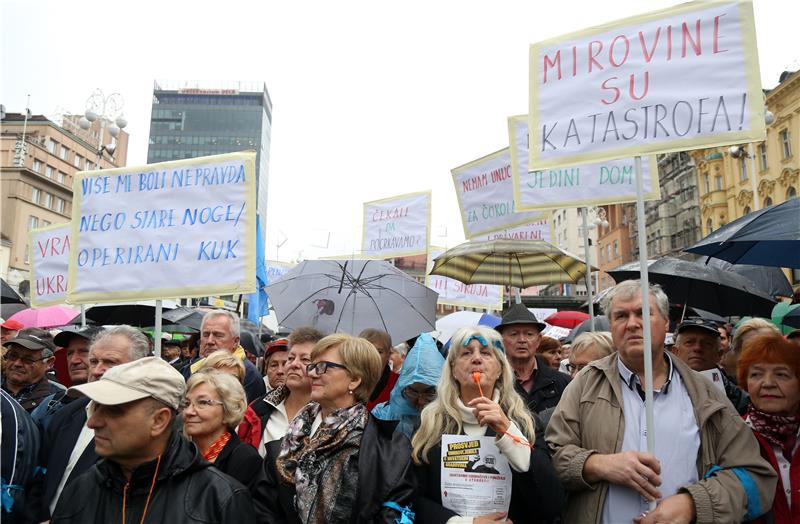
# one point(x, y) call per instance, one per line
point(215, 449)
point(779, 430)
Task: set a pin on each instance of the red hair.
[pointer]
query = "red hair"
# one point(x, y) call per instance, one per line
point(769, 349)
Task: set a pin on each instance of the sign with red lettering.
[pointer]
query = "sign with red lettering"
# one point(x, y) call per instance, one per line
point(485, 194)
point(455, 293)
point(397, 226)
point(49, 256)
point(682, 78)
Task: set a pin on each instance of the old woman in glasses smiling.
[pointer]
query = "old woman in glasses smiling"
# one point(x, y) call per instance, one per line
point(337, 463)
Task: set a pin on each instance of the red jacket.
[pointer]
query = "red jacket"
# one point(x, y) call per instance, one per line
point(386, 391)
point(781, 513)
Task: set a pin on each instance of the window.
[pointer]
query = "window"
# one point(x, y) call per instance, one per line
point(709, 226)
point(62, 177)
point(51, 146)
point(48, 172)
point(616, 248)
point(747, 210)
point(62, 154)
point(786, 141)
point(45, 223)
point(743, 168)
point(767, 201)
point(78, 161)
point(33, 223)
point(707, 180)
point(718, 182)
point(762, 155)
point(59, 205)
point(35, 195)
point(89, 165)
point(791, 192)
point(48, 200)
point(37, 166)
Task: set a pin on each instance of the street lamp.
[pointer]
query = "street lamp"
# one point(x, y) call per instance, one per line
point(599, 220)
point(739, 152)
point(106, 109)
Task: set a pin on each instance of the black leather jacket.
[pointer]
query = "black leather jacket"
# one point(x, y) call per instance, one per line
point(384, 475)
point(187, 490)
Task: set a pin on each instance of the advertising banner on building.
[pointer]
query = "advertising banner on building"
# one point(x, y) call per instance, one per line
point(538, 230)
point(49, 256)
point(455, 293)
point(177, 229)
point(682, 78)
point(592, 184)
point(485, 192)
point(397, 226)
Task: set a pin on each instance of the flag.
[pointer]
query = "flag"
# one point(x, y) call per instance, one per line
point(258, 300)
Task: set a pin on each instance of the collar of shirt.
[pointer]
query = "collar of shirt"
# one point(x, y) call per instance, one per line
point(630, 379)
point(527, 381)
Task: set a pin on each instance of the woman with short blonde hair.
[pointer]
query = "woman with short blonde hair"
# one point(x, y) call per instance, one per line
point(225, 361)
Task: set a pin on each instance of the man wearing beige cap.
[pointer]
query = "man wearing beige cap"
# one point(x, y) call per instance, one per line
point(148, 471)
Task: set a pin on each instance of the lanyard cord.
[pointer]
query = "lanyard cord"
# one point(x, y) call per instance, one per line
point(149, 494)
point(476, 376)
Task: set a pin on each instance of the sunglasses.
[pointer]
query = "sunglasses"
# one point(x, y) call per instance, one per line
point(10, 357)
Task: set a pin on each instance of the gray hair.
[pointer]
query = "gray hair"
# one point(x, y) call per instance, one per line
point(139, 345)
point(233, 320)
point(597, 339)
point(628, 289)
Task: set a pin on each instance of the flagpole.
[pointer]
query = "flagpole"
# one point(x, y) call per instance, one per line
point(157, 333)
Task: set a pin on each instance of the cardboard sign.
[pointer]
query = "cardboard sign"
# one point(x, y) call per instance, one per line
point(49, 258)
point(397, 226)
point(455, 293)
point(538, 230)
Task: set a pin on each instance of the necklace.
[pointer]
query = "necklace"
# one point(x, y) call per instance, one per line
point(215, 448)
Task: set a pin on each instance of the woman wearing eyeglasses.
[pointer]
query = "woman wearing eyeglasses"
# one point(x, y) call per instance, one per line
point(337, 464)
point(477, 399)
point(215, 404)
point(415, 388)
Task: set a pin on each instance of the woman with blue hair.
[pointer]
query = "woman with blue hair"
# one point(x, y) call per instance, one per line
point(416, 386)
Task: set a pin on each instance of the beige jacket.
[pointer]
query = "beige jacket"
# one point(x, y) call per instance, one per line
point(589, 419)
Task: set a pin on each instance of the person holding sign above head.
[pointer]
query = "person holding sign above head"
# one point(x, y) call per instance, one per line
point(477, 425)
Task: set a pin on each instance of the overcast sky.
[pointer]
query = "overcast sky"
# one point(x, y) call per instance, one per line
point(371, 99)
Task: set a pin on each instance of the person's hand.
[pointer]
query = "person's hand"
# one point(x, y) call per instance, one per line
point(489, 413)
point(677, 509)
point(632, 469)
point(492, 518)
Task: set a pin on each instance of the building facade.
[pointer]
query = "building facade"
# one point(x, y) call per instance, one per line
point(36, 184)
point(614, 244)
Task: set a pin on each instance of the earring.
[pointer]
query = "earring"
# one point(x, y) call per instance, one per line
point(350, 391)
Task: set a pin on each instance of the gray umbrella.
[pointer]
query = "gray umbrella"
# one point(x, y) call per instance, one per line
point(769, 280)
point(352, 295)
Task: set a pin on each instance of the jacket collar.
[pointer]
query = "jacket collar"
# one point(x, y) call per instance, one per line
point(630, 379)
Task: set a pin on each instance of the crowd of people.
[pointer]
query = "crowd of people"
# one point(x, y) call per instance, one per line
point(337, 428)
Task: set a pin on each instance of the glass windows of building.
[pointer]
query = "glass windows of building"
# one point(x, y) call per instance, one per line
point(33, 223)
point(791, 192)
point(718, 183)
point(51, 146)
point(35, 195)
point(59, 205)
point(767, 201)
point(78, 161)
point(707, 180)
point(62, 177)
point(47, 201)
point(709, 226)
point(37, 165)
point(62, 153)
point(45, 223)
point(48, 171)
point(786, 143)
point(762, 155)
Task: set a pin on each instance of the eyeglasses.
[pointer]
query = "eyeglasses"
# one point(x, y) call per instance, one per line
point(200, 404)
point(483, 342)
point(10, 357)
point(574, 367)
point(412, 394)
point(321, 367)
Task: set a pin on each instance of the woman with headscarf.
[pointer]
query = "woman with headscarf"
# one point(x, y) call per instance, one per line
point(476, 397)
point(415, 388)
point(337, 464)
point(769, 368)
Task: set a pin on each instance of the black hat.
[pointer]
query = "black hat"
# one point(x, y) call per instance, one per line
point(519, 314)
point(32, 342)
point(697, 323)
point(62, 339)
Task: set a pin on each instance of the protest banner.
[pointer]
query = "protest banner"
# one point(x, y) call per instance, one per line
point(591, 184)
point(276, 269)
point(49, 256)
point(538, 230)
point(681, 78)
point(485, 192)
point(455, 293)
point(185, 228)
point(397, 226)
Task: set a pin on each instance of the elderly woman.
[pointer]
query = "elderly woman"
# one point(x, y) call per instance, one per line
point(769, 368)
point(477, 398)
point(338, 464)
point(215, 404)
point(550, 350)
point(415, 388)
point(588, 347)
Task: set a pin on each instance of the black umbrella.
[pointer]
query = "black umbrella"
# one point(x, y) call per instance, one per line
point(600, 324)
point(8, 295)
point(770, 281)
point(767, 237)
point(184, 316)
point(701, 286)
point(138, 314)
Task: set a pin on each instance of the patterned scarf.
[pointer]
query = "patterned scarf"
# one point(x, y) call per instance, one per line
point(324, 466)
point(777, 429)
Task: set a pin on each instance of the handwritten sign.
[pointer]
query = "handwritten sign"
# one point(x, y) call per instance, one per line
point(49, 258)
point(275, 270)
point(397, 226)
point(538, 230)
point(185, 228)
point(485, 192)
point(455, 293)
point(682, 78)
point(608, 182)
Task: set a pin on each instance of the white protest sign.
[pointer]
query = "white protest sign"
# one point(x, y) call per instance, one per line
point(682, 78)
point(538, 230)
point(49, 255)
point(608, 182)
point(397, 226)
point(485, 192)
point(275, 270)
point(476, 477)
point(455, 293)
point(177, 229)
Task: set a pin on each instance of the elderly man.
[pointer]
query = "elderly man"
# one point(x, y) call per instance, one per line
point(68, 443)
point(697, 342)
point(706, 467)
point(27, 360)
point(220, 330)
point(149, 470)
point(275, 362)
point(539, 384)
point(9, 329)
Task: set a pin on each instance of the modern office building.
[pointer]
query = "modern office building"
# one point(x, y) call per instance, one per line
point(190, 120)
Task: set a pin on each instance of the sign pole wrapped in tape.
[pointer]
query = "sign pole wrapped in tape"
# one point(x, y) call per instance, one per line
point(397, 226)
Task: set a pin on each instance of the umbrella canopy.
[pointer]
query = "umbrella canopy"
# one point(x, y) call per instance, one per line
point(786, 316)
point(701, 286)
point(566, 319)
point(449, 324)
point(517, 263)
point(767, 237)
point(138, 314)
point(769, 280)
point(186, 317)
point(353, 295)
point(45, 317)
point(8, 295)
point(600, 324)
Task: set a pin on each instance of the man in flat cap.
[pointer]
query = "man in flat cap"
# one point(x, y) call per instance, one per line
point(27, 359)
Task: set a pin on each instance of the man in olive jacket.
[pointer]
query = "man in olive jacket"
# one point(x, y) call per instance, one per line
point(707, 466)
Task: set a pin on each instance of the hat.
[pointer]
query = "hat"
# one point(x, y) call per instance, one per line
point(146, 377)
point(13, 325)
point(68, 333)
point(698, 323)
point(519, 314)
point(29, 341)
point(282, 344)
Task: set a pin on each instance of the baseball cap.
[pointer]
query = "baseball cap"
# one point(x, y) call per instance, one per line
point(146, 377)
point(29, 341)
point(282, 344)
point(13, 325)
point(698, 323)
point(69, 332)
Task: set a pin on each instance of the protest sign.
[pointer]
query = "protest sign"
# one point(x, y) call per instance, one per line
point(275, 270)
point(455, 293)
point(177, 229)
point(608, 182)
point(49, 258)
point(485, 192)
point(538, 230)
point(682, 78)
point(397, 226)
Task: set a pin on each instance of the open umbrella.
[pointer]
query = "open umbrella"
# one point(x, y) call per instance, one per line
point(769, 280)
point(352, 295)
point(45, 317)
point(8, 295)
point(600, 324)
point(449, 324)
point(138, 314)
point(701, 286)
point(767, 237)
point(786, 316)
point(187, 317)
point(566, 319)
